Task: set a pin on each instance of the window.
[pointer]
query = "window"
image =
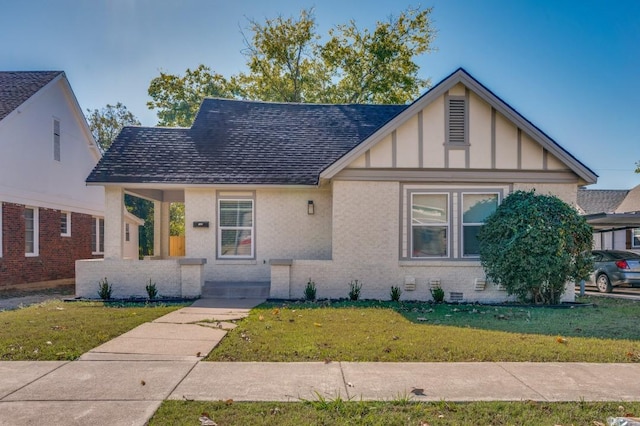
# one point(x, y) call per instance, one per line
point(235, 228)
point(97, 235)
point(56, 140)
point(127, 235)
point(456, 120)
point(635, 238)
point(65, 224)
point(429, 225)
point(444, 224)
point(31, 231)
point(476, 208)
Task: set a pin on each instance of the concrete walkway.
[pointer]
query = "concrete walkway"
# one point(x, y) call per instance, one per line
point(124, 381)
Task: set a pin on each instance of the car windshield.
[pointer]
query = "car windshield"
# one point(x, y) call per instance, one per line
point(616, 255)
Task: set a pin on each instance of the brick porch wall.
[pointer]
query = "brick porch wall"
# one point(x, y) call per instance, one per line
point(57, 254)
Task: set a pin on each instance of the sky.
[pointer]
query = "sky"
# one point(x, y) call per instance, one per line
point(570, 67)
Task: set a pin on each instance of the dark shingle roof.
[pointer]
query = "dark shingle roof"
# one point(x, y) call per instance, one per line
point(18, 86)
point(243, 142)
point(600, 200)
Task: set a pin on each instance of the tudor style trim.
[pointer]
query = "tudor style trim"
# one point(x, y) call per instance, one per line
point(497, 104)
point(457, 175)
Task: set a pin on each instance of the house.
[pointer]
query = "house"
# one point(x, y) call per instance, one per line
point(49, 218)
point(281, 194)
point(615, 216)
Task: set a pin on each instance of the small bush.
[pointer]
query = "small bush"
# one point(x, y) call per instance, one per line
point(310, 291)
point(395, 293)
point(438, 294)
point(104, 289)
point(354, 290)
point(152, 291)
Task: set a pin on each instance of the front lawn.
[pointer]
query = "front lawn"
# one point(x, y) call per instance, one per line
point(422, 332)
point(339, 412)
point(56, 330)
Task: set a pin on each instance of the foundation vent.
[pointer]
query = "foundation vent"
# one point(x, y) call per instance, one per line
point(455, 296)
point(479, 284)
point(409, 283)
point(435, 283)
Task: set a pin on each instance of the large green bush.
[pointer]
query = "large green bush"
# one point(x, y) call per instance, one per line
point(533, 245)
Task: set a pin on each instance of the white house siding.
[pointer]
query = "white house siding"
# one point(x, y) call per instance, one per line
point(366, 247)
point(283, 229)
point(29, 175)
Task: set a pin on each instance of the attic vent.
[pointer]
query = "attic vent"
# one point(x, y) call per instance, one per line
point(457, 118)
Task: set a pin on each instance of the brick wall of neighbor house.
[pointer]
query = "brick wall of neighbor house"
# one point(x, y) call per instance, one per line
point(57, 254)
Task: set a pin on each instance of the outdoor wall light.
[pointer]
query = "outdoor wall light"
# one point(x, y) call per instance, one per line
point(311, 208)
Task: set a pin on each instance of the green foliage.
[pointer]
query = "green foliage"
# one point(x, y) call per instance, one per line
point(104, 289)
point(395, 293)
point(144, 210)
point(152, 291)
point(534, 244)
point(354, 290)
point(177, 98)
point(287, 62)
point(310, 291)
point(438, 294)
point(106, 123)
point(176, 219)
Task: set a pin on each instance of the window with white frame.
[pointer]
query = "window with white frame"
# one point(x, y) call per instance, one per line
point(635, 238)
point(65, 224)
point(31, 231)
point(56, 140)
point(476, 208)
point(97, 235)
point(235, 228)
point(429, 225)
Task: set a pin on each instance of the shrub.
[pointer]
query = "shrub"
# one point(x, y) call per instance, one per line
point(354, 290)
point(395, 293)
point(152, 291)
point(310, 291)
point(438, 294)
point(104, 289)
point(533, 245)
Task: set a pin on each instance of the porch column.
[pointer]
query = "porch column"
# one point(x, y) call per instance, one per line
point(113, 222)
point(161, 229)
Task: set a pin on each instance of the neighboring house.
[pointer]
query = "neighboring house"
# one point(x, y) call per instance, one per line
point(614, 215)
point(275, 193)
point(49, 218)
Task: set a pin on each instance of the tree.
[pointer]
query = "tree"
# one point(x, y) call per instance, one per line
point(287, 63)
point(106, 123)
point(378, 66)
point(534, 244)
point(178, 98)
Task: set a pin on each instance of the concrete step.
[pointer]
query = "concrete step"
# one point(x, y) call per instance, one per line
point(236, 290)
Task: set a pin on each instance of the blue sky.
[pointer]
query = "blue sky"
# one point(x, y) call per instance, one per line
point(571, 67)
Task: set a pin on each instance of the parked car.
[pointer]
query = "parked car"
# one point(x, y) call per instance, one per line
point(614, 268)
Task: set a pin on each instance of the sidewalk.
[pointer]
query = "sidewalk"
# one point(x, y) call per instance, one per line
point(124, 381)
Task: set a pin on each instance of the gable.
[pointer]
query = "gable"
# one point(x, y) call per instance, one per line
point(460, 125)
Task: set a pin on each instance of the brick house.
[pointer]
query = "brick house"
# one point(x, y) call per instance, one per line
point(49, 218)
point(279, 194)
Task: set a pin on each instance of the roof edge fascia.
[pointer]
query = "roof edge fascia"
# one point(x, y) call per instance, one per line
point(178, 186)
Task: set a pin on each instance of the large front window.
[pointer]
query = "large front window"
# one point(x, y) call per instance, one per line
point(430, 225)
point(235, 229)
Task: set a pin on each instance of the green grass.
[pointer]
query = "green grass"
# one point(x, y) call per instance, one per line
point(421, 332)
point(340, 412)
point(55, 330)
